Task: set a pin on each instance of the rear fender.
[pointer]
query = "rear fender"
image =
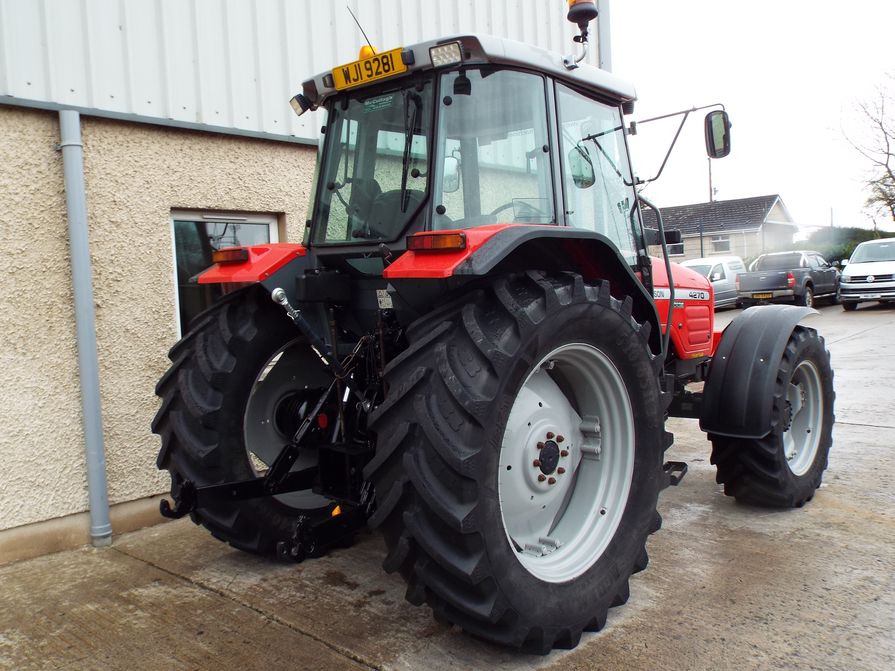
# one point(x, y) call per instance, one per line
point(738, 396)
point(506, 248)
point(263, 262)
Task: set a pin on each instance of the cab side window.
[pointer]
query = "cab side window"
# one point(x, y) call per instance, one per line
point(717, 273)
point(599, 193)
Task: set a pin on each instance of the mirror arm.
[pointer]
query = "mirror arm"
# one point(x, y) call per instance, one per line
point(687, 111)
point(670, 149)
point(686, 114)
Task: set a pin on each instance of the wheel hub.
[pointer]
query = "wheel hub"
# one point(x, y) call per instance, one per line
point(549, 457)
point(566, 462)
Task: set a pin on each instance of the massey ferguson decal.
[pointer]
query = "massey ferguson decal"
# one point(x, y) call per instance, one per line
point(681, 294)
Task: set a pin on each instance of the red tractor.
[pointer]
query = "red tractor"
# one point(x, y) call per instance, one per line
point(472, 351)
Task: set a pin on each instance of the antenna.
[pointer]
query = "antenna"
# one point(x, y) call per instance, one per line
point(360, 27)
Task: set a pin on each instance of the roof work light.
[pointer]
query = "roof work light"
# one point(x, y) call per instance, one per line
point(446, 54)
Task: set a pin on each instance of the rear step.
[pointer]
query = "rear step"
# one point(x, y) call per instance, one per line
point(674, 472)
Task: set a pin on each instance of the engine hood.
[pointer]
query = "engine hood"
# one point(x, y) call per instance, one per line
point(684, 278)
point(870, 268)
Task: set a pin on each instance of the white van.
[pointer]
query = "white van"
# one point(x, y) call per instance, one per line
point(869, 275)
point(722, 272)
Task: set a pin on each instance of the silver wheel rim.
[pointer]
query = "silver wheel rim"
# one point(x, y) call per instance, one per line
point(280, 378)
point(804, 401)
point(566, 462)
point(809, 298)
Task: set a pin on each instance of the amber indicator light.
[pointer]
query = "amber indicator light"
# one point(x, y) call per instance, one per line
point(230, 255)
point(436, 242)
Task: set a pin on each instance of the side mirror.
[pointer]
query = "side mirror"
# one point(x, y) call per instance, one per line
point(717, 134)
point(451, 181)
point(581, 167)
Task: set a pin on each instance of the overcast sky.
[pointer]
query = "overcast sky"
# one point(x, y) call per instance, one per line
point(790, 73)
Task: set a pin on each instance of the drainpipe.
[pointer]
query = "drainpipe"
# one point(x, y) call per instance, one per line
point(604, 43)
point(85, 320)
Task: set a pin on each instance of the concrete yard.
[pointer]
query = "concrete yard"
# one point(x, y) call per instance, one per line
point(728, 586)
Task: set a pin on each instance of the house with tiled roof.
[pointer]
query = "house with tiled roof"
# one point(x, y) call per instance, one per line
point(745, 227)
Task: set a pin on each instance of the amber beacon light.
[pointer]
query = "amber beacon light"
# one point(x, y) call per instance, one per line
point(581, 12)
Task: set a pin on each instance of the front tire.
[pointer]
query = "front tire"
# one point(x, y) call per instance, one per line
point(783, 469)
point(230, 401)
point(850, 306)
point(455, 470)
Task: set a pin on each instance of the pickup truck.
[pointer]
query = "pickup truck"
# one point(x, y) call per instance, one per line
point(792, 277)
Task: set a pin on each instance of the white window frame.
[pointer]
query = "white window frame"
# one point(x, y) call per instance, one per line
point(273, 226)
point(676, 244)
point(720, 238)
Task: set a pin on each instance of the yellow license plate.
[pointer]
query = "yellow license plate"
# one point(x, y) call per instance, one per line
point(380, 66)
point(767, 295)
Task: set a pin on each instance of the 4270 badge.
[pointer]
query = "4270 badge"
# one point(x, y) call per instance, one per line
point(379, 66)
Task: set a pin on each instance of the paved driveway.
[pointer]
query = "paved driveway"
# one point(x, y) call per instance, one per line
point(728, 586)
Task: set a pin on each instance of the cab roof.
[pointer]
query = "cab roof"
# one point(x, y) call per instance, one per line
point(486, 49)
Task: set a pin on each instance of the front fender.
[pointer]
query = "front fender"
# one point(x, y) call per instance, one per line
point(738, 396)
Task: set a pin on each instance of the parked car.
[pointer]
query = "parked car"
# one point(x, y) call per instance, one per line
point(788, 277)
point(722, 272)
point(869, 274)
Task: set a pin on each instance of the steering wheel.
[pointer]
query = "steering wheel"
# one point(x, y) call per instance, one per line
point(527, 209)
point(503, 207)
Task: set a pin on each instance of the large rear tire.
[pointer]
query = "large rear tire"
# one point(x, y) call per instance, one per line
point(783, 469)
point(230, 400)
point(463, 487)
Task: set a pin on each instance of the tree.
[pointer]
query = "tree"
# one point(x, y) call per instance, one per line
point(879, 149)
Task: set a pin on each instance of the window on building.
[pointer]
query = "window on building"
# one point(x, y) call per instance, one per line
point(196, 235)
point(720, 243)
point(676, 249)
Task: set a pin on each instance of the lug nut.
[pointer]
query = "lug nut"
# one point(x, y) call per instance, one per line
point(564, 453)
point(542, 477)
point(549, 435)
point(551, 481)
point(560, 470)
point(540, 446)
point(560, 438)
point(536, 463)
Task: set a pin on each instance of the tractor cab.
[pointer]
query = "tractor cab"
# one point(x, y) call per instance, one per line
point(467, 132)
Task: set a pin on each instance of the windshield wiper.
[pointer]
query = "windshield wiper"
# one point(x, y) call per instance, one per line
point(410, 130)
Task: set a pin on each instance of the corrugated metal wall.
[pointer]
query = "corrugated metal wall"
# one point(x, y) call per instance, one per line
point(231, 64)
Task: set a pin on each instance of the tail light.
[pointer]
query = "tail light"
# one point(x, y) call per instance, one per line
point(736, 281)
point(436, 242)
point(790, 280)
point(230, 255)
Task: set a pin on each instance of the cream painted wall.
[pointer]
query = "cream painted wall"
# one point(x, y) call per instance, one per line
point(136, 174)
point(42, 444)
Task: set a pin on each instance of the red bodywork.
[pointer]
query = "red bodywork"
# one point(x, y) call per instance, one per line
point(263, 261)
point(693, 315)
point(437, 264)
